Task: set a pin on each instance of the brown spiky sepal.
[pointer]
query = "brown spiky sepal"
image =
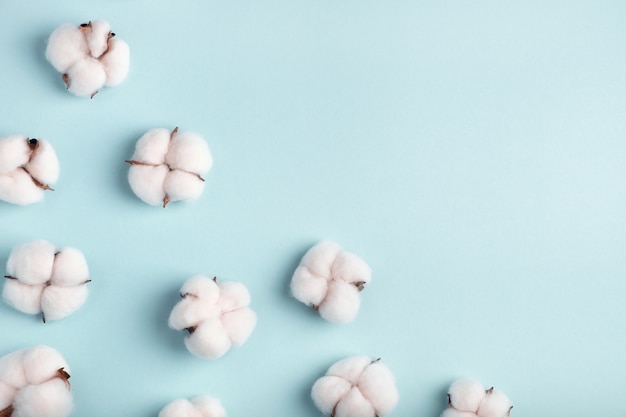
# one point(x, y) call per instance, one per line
point(360, 285)
point(191, 329)
point(7, 412)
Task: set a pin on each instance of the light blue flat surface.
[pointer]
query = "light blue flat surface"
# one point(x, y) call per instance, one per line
point(472, 152)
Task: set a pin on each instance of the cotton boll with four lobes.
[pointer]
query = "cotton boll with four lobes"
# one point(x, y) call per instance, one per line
point(201, 406)
point(88, 57)
point(216, 316)
point(169, 166)
point(468, 398)
point(329, 279)
point(28, 167)
point(42, 279)
point(356, 387)
point(34, 382)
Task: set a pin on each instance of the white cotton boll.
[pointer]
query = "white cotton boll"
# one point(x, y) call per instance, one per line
point(328, 391)
point(116, 62)
point(86, 77)
point(70, 267)
point(208, 406)
point(179, 408)
point(189, 152)
point(466, 395)
point(233, 295)
point(320, 258)
point(239, 325)
point(14, 153)
point(17, 187)
point(209, 340)
point(32, 262)
point(378, 385)
point(12, 369)
point(341, 304)
point(495, 404)
point(308, 288)
point(350, 368)
point(147, 182)
point(66, 46)
point(203, 287)
point(452, 412)
point(60, 302)
point(44, 165)
point(98, 37)
point(42, 363)
point(182, 186)
point(7, 394)
point(354, 404)
point(23, 297)
point(152, 147)
point(350, 268)
point(50, 399)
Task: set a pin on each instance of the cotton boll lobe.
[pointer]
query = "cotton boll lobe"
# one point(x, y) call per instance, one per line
point(452, 412)
point(17, 187)
point(209, 340)
point(179, 408)
point(328, 391)
point(208, 406)
point(50, 399)
point(152, 147)
point(147, 183)
point(66, 46)
point(182, 186)
point(31, 263)
point(44, 165)
point(85, 78)
point(14, 152)
point(354, 404)
point(189, 152)
point(42, 362)
point(466, 395)
point(201, 406)
point(98, 34)
point(341, 304)
point(378, 385)
point(23, 297)
point(116, 62)
point(350, 368)
point(239, 325)
point(495, 404)
point(70, 267)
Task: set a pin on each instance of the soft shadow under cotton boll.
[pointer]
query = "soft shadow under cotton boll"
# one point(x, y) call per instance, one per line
point(88, 57)
point(329, 279)
point(356, 387)
point(46, 280)
point(215, 315)
point(28, 167)
point(34, 382)
point(201, 406)
point(169, 166)
point(468, 398)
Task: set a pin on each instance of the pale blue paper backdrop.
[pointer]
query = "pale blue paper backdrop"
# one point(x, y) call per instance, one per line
point(472, 152)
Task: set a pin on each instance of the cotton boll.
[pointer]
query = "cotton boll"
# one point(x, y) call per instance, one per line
point(320, 258)
point(354, 404)
point(98, 34)
point(116, 62)
point(307, 287)
point(41, 363)
point(147, 182)
point(86, 77)
point(328, 391)
point(350, 268)
point(60, 302)
point(209, 340)
point(152, 147)
point(189, 152)
point(452, 412)
point(180, 408)
point(32, 262)
point(14, 153)
point(23, 297)
point(50, 399)
point(341, 304)
point(182, 186)
point(208, 406)
point(239, 325)
point(350, 368)
point(44, 165)
point(66, 46)
point(494, 404)
point(466, 395)
point(378, 385)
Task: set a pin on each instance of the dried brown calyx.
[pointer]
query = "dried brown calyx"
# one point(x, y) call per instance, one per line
point(34, 145)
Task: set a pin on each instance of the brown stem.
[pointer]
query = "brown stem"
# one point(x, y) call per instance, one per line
point(93, 94)
point(175, 131)
point(7, 412)
point(165, 201)
point(360, 285)
point(66, 80)
point(9, 277)
point(191, 329)
point(316, 307)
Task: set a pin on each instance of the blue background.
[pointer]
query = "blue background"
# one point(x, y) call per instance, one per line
point(471, 152)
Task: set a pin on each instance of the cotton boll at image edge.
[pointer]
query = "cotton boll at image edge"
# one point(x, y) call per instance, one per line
point(28, 167)
point(329, 279)
point(43, 279)
point(169, 166)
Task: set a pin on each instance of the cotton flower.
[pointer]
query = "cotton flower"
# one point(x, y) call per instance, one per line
point(34, 382)
point(27, 168)
point(356, 387)
point(88, 57)
point(468, 398)
point(202, 406)
point(215, 315)
point(169, 166)
point(46, 280)
point(329, 279)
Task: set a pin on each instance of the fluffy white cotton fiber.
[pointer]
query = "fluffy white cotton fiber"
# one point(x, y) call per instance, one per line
point(34, 382)
point(356, 387)
point(88, 57)
point(27, 168)
point(468, 398)
point(215, 315)
point(329, 279)
point(46, 280)
point(169, 166)
point(201, 406)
